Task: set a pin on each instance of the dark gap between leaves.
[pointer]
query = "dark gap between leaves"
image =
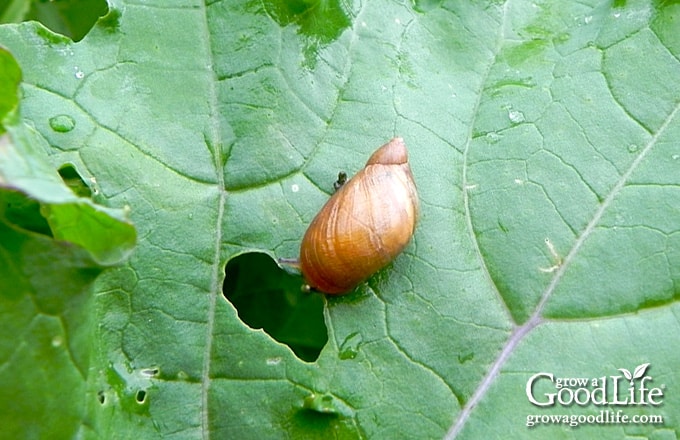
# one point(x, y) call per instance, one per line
point(23, 212)
point(71, 18)
point(74, 181)
point(267, 297)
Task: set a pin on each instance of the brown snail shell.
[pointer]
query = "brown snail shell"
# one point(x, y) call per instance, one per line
point(364, 225)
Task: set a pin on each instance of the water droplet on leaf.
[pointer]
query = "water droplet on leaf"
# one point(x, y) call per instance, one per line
point(563, 37)
point(516, 116)
point(62, 123)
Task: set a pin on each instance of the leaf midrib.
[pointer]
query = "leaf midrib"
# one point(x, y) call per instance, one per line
point(215, 143)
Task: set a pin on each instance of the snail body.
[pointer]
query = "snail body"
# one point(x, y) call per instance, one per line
point(365, 224)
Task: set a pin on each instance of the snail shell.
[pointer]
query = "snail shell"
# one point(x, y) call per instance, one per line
point(364, 225)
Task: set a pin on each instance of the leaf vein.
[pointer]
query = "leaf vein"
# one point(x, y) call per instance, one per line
point(536, 319)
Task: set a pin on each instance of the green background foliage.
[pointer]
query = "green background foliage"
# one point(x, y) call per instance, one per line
point(543, 139)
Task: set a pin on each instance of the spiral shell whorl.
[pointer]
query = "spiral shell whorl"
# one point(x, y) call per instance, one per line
point(364, 225)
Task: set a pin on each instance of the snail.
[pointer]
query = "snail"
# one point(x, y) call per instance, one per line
point(365, 224)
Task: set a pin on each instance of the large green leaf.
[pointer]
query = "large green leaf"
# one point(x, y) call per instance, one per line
point(543, 137)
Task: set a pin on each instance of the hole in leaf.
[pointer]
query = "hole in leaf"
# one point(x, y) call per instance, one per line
point(324, 20)
point(266, 297)
point(73, 18)
point(140, 396)
point(73, 180)
point(101, 397)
